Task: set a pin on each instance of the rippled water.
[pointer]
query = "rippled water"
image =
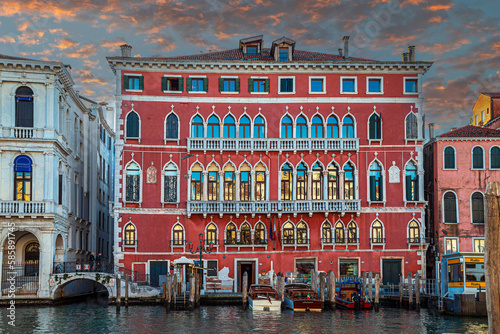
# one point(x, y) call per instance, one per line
point(88, 318)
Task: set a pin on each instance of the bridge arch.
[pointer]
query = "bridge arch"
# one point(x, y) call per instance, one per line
point(70, 285)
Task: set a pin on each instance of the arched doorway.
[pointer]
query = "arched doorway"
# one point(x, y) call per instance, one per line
point(59, 249)
point(31, 258)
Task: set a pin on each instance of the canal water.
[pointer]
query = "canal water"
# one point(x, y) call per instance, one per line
point(98, 318)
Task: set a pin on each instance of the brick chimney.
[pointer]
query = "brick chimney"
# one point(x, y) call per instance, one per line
point(346, 46)
point(126, 50)
point(411, 52)
point(431, 130)
point(340, 51)
point(405, 56)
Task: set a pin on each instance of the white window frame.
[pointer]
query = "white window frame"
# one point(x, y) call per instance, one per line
point(456, 207)
point(472, 158)
point(355, 85)
point(163, 183)
point(445, 244)
point(489, 155)
point(124, 195)
point(279, 85)
point(324, 85)
point(173, 76)
point(196, 77)
point(473, 243)
point(404, 85)
point(454, 150)
point(133, 75)
point(484, 207)
point(381, 85)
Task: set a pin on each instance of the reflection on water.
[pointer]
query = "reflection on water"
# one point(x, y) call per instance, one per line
point(98, 318)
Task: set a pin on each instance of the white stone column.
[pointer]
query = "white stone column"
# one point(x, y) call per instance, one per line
point(189, 195)
point(356, 182)
point(325, 184)
point(50, 176)
point(205, 186)
point(49, 98)
point(252, 185)
point(46, 172)
point(341, 184)
point(294, 186)
point(47, 249)
point(267, 186)
point(237, 180)
point(1, 266)
point(221, 185)
point(420, 185)
point(309, 185)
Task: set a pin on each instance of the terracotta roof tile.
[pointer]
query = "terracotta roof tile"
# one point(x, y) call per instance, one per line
point(470, 131)
point(492, 94)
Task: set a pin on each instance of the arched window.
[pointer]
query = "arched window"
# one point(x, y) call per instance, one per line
point(301, 181)
point(302, 237)
point(23, 168)
point(348, 127)
point(212, 234)
point(317, 127)
point(260, 182)
point(213, 182)
point(332, 127)
point(286, 183)
point(376, 182)
point(478, 157)
point(197, 183)
point(377, 233)
point(244, 131)
point(260, 234)
point(411, 182)
point(132, 125)
point(246, 234)
point(301, 128)
point(333, 182)
point(24, 107)
point(317, 181)
point(286, 127)
point(170, 184)
point(375, 127)
point(349, 181)
point(172, 130)
point(339, 233)
point(213, 127)
point(450, 207)
point(477, 205)
point(352, 233)
point(288, 233)
point(229, 129)
point(32, 259)
point(197, 127)
point(133, 182)
point(245, 182)
point(259, 127)
point(178, 235)
point(495, 157)
point(230, 234)
point(130, 235)
point(229, 183)
point(449, 158)
point(411, 126)
point(326, 233)
point(413, 233)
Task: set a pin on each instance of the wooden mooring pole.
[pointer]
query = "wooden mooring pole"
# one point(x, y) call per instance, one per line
point(331, 289)
point(126, 290)
point(244, 290)
point(363, 285)
point(322, 289)
point(314, 281)
point(401, 288)
point(417, 291)
point(492, 256)
point(410, 291)
point(168, 292)
point(377, 292)
point(192, 292)
point(370, 286)
point(282, 287)
point(118, 293)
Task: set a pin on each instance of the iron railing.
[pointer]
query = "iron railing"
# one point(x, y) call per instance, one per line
point(178, 243)
point(377, 240)
point(20, 278)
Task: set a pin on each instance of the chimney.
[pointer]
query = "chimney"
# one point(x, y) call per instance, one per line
point(411, 52)
point(340, 51)
point(346, 46)
point(431, 130)
point(405, 56)
point(453, 129)
point(126, 50)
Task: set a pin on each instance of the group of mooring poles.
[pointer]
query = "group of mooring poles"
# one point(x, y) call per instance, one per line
point(367, 288)
point(175, 299)
point(410, 288)
point(119, 292)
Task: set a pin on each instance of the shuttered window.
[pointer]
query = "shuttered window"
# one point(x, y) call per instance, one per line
point(133, 82)
point(132, 125)
point(477, 204)
point(172, 84)
point(170, 184)
point(172, 130)
point(375, 127)
point(450, 208)
point(477, 158)
point(449, 158)
point(411, 184)
point(24, 107)
point(132, 183)
point(495, 157)
point(411, 126)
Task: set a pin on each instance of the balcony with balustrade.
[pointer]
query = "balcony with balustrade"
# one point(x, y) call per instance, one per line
point(23, 209)
point(272, 144)
point(273, 207)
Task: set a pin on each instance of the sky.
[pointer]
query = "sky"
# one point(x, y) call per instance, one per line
point(461, 37)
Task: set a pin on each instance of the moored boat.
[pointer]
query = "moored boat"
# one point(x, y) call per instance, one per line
point(263, 298)
point(300, 297)
point(351, 297)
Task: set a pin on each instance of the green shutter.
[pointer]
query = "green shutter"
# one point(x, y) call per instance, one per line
point(181, 84)
point(416, 197)
point(237, 85)
point(371, 134)
point(250, 85)
point(141, 83)
point(267, 86)
point(164, 83)
point(189, 86)
point(408, 188)
point(221, 85)
point(125, 82)
point(205, 84)
point(373, 193)
point(381, 189)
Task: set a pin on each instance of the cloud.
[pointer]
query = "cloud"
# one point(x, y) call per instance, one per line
point(65, 43)
point(84, 52)
point(7, 39)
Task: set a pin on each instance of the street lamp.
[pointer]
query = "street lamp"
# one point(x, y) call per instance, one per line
point(202, 249)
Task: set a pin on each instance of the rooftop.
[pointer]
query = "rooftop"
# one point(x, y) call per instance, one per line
point(492, 94)
point(2, 56)
point(470, 131)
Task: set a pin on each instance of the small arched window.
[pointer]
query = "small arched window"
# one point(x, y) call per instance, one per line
point(244, 131)
point(288, 233)
point(286, 183)
point(349, 181)
point(301, 128)
point(229, 183)
point(348, 127)
point(495, 157)
point(339, 233)
point(246, 234)
point(260, 182)
point(352, 233)
point(213, 127)
point(130, 235)
point(197, 182)
point(411, 126)
point(317, 127)
point(377, 233)
point(211, 234)
point(23, 169)
point(449, 158)
point(302, 181)
point(332, 127)
point(477, 204)
point(178, 235)
point(170, 184)
point(172, 131)
point(413, 233)
point(478, 157)
point(231, 234)
point(317, 181)
point(133, 182)
point(375, 127)
point(132, 125)
point(259, 128)
point(333, 182)
point(302, 235)
point(197, 127)
point(326, 233)
point(213, 182)
point(245, 182)
point(411, 182)
point(24, 107)
point(376, 182)
point(286, 127)
point(450, 207)
point(260, 234)
point(229, 129)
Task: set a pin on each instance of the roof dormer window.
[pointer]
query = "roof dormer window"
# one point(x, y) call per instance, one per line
point(252, 50)
point(282, 49)
point(283, 54)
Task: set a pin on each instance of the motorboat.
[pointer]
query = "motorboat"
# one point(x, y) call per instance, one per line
point(350, 296)
point(263, 298)
point(300, 297)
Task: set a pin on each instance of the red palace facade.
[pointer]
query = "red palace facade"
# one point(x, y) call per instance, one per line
point(285, 160)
